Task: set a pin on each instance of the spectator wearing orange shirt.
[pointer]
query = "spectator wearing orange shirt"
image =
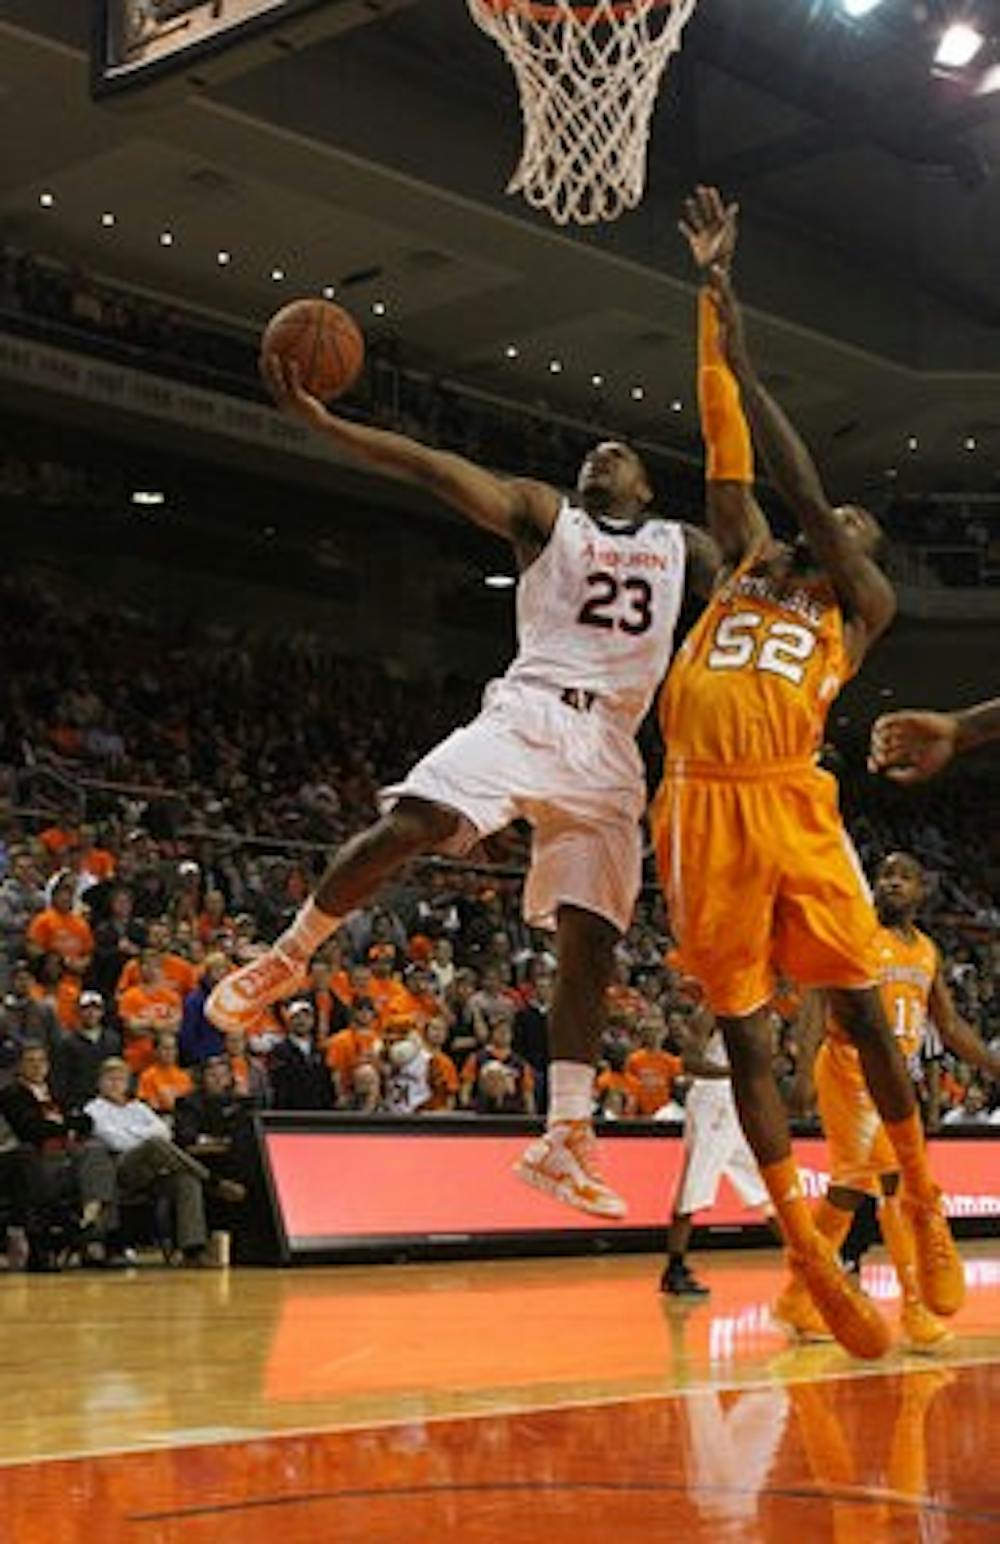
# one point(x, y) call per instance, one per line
point(59, 989)
point(147, 1008)
point(624, 1000)
point(249, 1072)
point(163, 1082)
point(331, 1014)
point(442, 1074)
point(350, 1047)
point(61, 930)
point(653, 1068)
point(179, 972)
point(213, 920)
point(385, 988)
point(617, 1091)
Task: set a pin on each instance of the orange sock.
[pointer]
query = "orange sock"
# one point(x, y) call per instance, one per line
point(901, 1246)
point(907, 1138)
point(785, 1190)
point(832, 1221)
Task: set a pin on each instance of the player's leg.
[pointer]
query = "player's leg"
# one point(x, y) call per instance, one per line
point(939, 1266)
point(697, 1188)
point(563, 1161)
point(922, 1329)
point(678, 1279)
point(854, 1320)
point(352, 878)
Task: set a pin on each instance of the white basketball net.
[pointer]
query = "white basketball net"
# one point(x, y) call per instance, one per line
point(588, 80)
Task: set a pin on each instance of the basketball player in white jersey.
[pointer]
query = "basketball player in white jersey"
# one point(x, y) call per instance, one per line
point(714, 1149)
point(601, 585)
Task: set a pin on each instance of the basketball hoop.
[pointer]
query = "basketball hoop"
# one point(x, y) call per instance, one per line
point(587, 77)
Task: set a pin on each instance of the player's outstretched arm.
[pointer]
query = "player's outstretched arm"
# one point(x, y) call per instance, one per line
point(735, 519)
point(911, 746)
point(864, 592)
point(958, 1036)
point(519, 509)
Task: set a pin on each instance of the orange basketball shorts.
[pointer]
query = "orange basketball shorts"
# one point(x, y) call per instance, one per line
point(860, 1149)
point(761, 878)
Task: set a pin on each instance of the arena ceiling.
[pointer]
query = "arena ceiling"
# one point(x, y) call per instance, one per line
point(375, 160)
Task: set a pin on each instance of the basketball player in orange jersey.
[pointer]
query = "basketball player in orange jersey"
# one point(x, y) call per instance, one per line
point(912, 745)
point(601, 584)
point(759, 872)
point(862, 1160)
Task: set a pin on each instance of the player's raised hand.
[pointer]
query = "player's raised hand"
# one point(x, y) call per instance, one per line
point(911, 746)
point(710, 227)
point(281, 377)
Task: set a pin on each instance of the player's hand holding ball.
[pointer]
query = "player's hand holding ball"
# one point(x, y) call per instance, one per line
point(311, 352)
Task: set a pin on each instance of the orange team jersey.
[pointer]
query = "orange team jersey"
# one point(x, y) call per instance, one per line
point(345, 1049)
point(622, 1083)
point(181, 974)
point(64, 933)
point(442, 1074)
point(340, 986)
point(65, 1000)
point(161, 1087)
point(759, 873)
point(155, 1006)
point(654, 1071)
point(860, 1149)
point(392, 999)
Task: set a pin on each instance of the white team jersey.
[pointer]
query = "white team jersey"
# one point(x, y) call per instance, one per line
point(597, 609)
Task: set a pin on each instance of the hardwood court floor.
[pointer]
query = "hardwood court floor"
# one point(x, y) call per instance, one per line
point(523, 1402)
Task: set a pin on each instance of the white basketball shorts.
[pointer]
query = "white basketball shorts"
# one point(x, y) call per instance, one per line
point(575, 775)
point(715, 1148)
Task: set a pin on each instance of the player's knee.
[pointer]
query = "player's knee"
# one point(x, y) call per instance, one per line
point(415, 826)
point(586, 945)
point(748, 1048)
point(862, 1014)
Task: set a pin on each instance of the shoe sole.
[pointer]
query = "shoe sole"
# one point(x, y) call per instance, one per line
point(551, 1187)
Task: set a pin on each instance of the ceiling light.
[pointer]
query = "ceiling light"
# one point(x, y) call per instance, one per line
point(637, 393)
point(511, 351)
point(597, 380)
point(913, 443)
point(499, 581)
point(329, 290)
point(223, 258)
point(277, 274)
point(970, 443)
point(107, 219)
point(677, 405)
point(859, 7)
point(379, 308)
point(990, 81)
point(959, 45)
point(46, 200)
point(148, 496)
point(555, 366)
point(166, 238)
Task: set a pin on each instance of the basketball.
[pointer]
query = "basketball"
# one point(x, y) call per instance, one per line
point(323, 340)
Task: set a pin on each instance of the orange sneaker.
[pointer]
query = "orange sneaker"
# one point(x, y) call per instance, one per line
point(923, 1330)
point(798, 1315)
point(240, 999)
point(939, 1264)
point(563, 1164)
point(853, 1317)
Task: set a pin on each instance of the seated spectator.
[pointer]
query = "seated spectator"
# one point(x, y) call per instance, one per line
point(350, 1047)
point(21, 898)
point(496, 1091)
point(249, 1072)
point(442, 965)
point(147, 1008)
point(65, 1164)
point(617, 1091)
point(531, 1030)
point(118, 939)
point(147, 1160)
point(213, 923)
point(407, 1069)
point(177, 971)
point(499, 1051)
point(469, 1031)
point(59, 990)
point(163, 1082)
point(653, 1068)
point(331, 1014)
point(300, 1079)
point(365, 1097)
point(492, 1001)
point(199, 1039)
point(62, 930)
point(30, 1015)
point(385, 987)
point(442, 1074)
point(213, 1122)
point(973, 1110)
point(82, 1054)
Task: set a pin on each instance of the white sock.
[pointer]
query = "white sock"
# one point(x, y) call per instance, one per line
point(571, 1091)
point(311, 928)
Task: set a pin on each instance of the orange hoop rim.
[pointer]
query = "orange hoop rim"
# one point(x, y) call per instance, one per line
point(537, 12)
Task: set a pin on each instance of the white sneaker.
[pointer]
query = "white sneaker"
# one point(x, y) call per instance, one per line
point(239, 1000)
point(562, 1164)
